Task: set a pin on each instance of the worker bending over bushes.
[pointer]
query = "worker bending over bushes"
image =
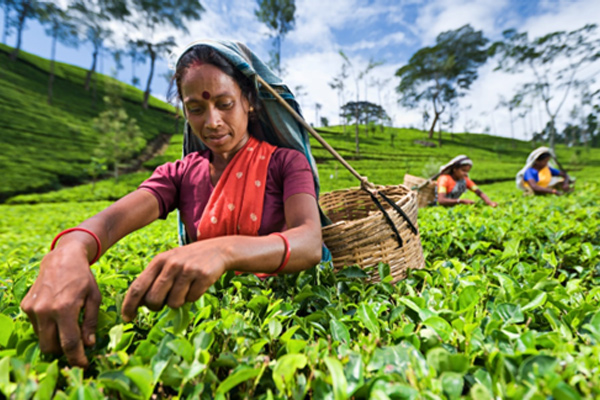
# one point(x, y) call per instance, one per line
point(454, 181)
point(537, 177)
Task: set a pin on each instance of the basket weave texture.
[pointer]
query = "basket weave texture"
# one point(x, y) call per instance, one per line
point(361, 235)
point(426, 195)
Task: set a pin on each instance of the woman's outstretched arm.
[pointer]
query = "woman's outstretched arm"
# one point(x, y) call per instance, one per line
point(183, 274)
point(446, 201)
point(65, 285)
point(485, 198)
point(539, 189)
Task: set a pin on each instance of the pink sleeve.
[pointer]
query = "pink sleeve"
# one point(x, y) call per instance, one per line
point(164, 184)
point(297, 175)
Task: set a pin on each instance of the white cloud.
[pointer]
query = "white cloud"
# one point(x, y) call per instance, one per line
point(316, 20)
point(393, 38)
point(442, 15)
point(567, 15)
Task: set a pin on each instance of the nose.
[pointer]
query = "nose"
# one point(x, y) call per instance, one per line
point(213, 118)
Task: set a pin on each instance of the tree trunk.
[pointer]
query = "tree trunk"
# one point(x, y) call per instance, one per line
point(512, 129)
point(356, 134)
point(51, 77)
point(279, 55)
point(432, 128)
point(20, 26)
point(552, 132)
point(133, 61)
point(95, 91)
point(6, 15)
point(152, 60)
point(92, 70)
point(440, 135)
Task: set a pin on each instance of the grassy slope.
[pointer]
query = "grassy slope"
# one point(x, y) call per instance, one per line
point(495, 160)
point(44, 146)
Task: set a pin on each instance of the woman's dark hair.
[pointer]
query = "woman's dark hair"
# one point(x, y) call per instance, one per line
point(203, 54)
point(543, 156)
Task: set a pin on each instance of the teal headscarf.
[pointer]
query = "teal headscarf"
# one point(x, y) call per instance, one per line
point(278, 126)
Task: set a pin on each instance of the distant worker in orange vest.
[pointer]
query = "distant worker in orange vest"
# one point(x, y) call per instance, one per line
point(454, 181)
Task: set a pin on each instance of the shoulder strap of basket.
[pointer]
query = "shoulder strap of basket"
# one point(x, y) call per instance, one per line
point(364, 183)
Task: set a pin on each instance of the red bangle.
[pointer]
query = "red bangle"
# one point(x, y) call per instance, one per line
point(98, 243)
point(286, 258)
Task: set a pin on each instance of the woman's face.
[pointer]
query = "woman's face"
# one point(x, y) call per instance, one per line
point(216, 109)
point(540, 164)
point(461, 172)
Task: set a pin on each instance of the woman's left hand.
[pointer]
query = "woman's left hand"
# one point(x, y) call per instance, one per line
point(492, 204)
point(175, 277)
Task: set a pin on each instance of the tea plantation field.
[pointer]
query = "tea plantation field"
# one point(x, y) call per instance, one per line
point(507, 307)
point(46, 146)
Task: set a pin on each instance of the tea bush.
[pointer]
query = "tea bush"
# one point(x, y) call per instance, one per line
point(507, 307)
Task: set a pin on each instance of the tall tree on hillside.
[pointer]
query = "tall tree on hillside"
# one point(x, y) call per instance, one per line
point(511, 105)
point(156, 14)
point(118, 59)
point(355, 75)
point(93, 17)
point(154, 50)
point(7, 9)
point(318, 107)
point(444, 72)
point(554, 59)
point(380, 84)
point(25, 9)
point(363, 111)
point(586, 98)
point(358, 75)
point(363, 75)
point(339, 85)
point(136, 58)
point(279, 17)
point(593, 126)
point(60, 27)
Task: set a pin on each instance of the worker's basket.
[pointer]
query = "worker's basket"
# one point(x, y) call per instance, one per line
point(426, 195)
point(361, 234)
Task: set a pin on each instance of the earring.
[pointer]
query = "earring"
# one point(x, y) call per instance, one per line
point(251, 109)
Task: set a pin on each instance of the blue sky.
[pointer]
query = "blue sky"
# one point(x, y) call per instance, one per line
point(380, 30)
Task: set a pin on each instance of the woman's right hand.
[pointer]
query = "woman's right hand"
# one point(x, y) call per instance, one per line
point(63, 287)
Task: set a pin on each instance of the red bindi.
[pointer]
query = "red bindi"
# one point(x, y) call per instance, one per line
point(205, 95)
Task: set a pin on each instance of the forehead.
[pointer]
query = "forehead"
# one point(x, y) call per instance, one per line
point(207, 78)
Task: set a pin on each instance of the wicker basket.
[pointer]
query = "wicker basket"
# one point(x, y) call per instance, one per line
point(426, 195)
point(361, 235)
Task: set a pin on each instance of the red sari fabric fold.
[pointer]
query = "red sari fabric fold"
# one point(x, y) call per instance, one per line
point(235, 206)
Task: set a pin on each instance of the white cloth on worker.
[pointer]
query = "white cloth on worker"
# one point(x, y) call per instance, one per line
point(533, 156)
point(456, 162)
